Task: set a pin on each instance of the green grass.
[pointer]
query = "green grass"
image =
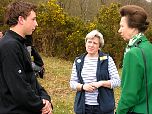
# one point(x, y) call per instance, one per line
point(56, 82)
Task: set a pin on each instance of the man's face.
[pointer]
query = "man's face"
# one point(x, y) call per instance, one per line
point(30, 24)
point(1, 34)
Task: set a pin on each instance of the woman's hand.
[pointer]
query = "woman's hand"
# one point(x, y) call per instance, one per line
point(89, 87)
point(97, 84)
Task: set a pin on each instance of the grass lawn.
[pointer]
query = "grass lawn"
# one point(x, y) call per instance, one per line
point(56, 82)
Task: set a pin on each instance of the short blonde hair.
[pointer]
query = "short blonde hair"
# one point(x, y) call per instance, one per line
point(95, 33)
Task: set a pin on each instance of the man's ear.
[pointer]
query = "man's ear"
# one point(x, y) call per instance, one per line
point(21, 20)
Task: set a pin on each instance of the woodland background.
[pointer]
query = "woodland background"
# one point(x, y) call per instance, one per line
point(63, 25)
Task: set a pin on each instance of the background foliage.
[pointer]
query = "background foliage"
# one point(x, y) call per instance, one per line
point(63, 25)
point(113, 43)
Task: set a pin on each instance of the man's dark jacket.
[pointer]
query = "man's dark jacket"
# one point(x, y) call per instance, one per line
point(37, 58)
point(105, 95)
point(20, 92)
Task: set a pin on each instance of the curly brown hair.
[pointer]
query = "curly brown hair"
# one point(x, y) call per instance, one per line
point(16, 9)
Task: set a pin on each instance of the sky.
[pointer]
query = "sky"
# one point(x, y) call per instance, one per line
point(149, 0)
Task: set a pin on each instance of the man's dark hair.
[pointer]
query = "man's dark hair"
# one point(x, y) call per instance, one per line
point(16, 9)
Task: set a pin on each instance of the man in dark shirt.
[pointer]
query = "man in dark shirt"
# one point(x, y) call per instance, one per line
point(20, 92)
point(37, 62)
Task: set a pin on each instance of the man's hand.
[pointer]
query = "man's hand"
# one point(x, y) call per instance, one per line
point(47, 109)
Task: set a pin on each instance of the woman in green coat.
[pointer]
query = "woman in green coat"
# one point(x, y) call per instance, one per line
point(133, 24)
